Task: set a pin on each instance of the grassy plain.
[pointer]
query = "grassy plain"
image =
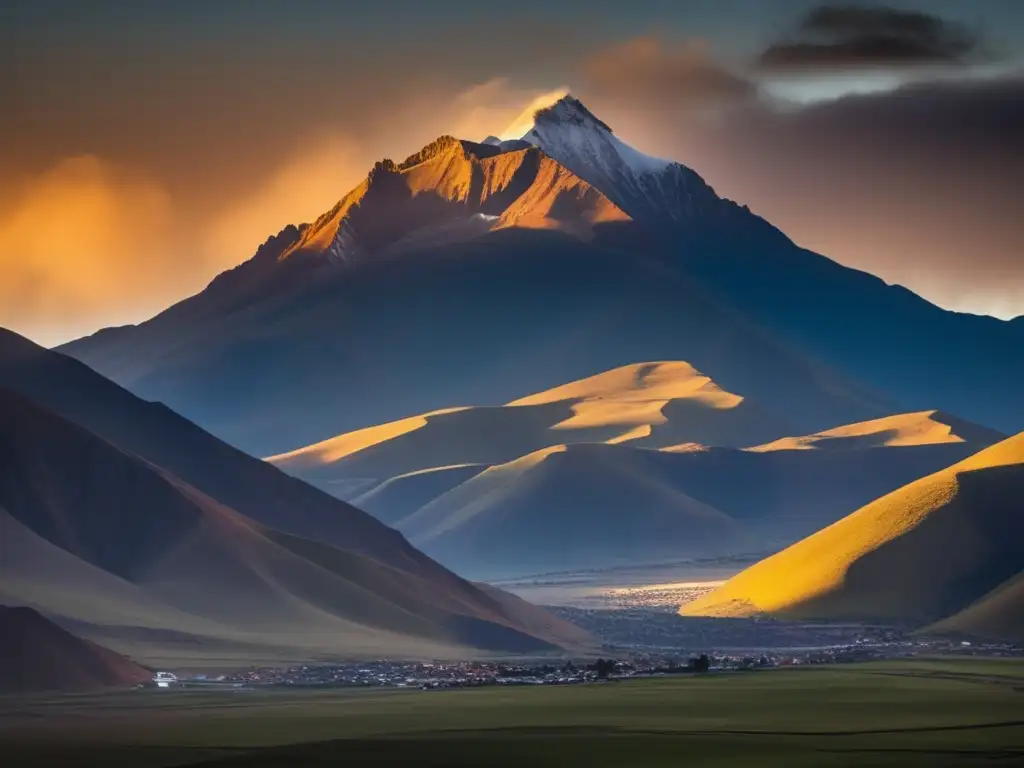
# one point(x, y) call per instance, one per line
point(961, 712)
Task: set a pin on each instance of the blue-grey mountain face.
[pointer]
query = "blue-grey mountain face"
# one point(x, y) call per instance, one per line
point(472, 273)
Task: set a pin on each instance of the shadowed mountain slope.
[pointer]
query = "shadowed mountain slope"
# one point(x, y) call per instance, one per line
point(468, 273)
point(610, 446)
point(998, 615)
point(74, 498)
point(37, 655)
point(565, 508)
point(919, 554)
point(772, 499)
point(904, 429)
point(884, 336)
point(200, 558)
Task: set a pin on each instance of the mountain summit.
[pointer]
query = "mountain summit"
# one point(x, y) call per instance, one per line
point(647, 188)
point(472, 272)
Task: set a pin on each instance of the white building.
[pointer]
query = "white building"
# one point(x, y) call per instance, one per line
point(165, 679)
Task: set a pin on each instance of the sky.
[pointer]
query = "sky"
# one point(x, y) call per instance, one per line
point(146, 145)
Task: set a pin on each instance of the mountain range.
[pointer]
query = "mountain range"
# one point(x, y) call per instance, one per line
point(646, 463)
point(137, 529)
point(947, 549)
point(471, 272)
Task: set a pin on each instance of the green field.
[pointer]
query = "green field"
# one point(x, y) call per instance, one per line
point(920, 713)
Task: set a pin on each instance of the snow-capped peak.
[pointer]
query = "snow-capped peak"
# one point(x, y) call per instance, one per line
point(643, 186)
point(567, 129)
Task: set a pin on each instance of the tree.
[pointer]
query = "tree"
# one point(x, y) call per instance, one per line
point(700, 664)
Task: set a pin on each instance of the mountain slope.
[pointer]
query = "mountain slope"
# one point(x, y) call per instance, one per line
point(884, 336)
point(51, 465)
point(904, 429)
point(565, 508)
point(650, 190)
point(646, 404)
point(773, 498)
point(37, 655)
point(999, 614)
point(400, 496)
point(918, 554)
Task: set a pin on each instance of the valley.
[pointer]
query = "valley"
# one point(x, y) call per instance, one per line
point(923, 712)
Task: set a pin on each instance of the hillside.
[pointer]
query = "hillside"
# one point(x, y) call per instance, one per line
point(997, 615)
point(566, 508)
point(37, 655)
point(772, 498)
point(603, 446)
point(646, 404)
point(919, 554)
point(199, 558)
point(400, 496)
point(70, 496)
point(904, 429)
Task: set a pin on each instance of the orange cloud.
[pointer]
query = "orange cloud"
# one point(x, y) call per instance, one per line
point(84, 244)
point(685, 75)
point(306, 184)
point(496, 107)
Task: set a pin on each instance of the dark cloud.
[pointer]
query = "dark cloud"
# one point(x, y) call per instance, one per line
point(644, 69)
point(920, 185)
point(848, 36)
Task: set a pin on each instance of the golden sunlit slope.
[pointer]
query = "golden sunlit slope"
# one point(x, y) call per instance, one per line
point(224, 477)
point(452, 180)
point(918, 554)
point(998, 615)
point(37, 655)
point(569, 507)
point(646, 404)
point(904, 429)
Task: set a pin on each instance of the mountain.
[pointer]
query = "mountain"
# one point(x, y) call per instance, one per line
point(513, 484)
point(206, 560)
point(904, 429)
point(37, 655)
point(467, 273)
point(997, 615)
point(920, 554)
point(568, 508)
point(656, 405)
point(401, 495)
point(650, 190)
point(761, 501)
point(883, 336)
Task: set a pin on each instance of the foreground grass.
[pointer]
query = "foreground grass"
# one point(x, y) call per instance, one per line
point(927, 713)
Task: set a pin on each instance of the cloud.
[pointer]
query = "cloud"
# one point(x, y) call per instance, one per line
point(84, 242)
point(524, 121)
point(644, 69)
point(836, 37)
point(920, 185)
point(497, 107)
